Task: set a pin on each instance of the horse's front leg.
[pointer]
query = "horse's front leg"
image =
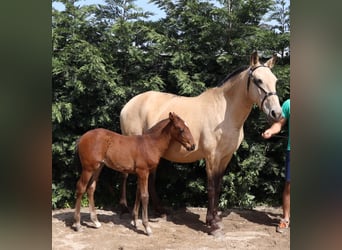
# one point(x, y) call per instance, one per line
point(214, 174)
point(218, 185)
point(211, 211)
point(158, 209)
point(218, 176)
point(210, 169)
point(213, 220)
point(143, 185)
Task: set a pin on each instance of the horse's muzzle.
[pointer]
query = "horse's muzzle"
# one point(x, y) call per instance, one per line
point(273, 116)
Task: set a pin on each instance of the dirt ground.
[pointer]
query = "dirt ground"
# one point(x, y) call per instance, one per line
point(181, 229)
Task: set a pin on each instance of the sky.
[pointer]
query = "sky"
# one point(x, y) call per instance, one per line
point(140, 3)
point(144, 4)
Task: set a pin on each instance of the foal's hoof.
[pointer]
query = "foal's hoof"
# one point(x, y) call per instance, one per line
point(97, 224)
point(134, 223)
point(77, 227)
point(148, 231)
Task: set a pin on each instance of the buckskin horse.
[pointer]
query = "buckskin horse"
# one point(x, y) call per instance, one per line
point(215, 118)
point(139, 154)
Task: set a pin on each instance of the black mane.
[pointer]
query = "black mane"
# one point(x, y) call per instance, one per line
point(235, 72)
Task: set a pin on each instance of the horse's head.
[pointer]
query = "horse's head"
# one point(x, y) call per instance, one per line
point(181, 132)
point(261, 86)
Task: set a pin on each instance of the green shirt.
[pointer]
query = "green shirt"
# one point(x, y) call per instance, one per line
point(286, 114)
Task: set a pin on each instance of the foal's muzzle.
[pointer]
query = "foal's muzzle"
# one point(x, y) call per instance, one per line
point(191, 148)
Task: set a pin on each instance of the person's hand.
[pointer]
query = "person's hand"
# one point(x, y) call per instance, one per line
point(267, 134)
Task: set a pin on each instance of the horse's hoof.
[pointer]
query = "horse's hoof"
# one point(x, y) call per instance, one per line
point(220, 225)
point(160, 212)
point(124, 210)
point(217, 233)
point(148, 231)
point(216, 229)
point(153, 220)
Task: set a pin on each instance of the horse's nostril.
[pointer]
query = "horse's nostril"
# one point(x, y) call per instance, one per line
point(275, 116)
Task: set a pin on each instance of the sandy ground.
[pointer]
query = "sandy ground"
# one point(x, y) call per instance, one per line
point(181, 229)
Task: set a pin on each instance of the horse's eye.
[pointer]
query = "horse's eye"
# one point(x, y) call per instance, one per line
point(258, 81)
point(181, 130)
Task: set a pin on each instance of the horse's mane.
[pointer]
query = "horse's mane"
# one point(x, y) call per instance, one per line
point(157, 127)
point(235, 72)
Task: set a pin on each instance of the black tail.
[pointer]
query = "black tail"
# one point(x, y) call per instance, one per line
point(77, 161)
point(95, 176)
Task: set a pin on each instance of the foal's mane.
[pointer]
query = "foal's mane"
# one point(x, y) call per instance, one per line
point(235, 72)
point(158, 127)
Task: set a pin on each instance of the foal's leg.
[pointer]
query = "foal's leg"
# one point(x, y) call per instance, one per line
point(81, 187)
point(135, 212)
point(143, 186)
point(90, 192)
point(123, 199)
point(92, 209)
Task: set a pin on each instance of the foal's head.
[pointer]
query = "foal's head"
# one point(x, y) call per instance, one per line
point(180, 132)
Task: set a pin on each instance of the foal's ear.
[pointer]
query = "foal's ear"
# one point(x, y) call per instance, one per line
point(254, 59)
point(271, 62)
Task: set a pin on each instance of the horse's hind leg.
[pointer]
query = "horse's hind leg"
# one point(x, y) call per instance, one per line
point(90, 192)
point(81, 187)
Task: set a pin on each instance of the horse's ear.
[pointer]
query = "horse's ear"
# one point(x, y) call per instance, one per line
point(271, 62)
point(171, 116)
point(254, 59)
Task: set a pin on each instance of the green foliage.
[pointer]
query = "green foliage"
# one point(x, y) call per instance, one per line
point(61, 196)
point(103, 55)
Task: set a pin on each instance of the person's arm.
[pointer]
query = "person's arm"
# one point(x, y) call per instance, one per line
point(274, 129)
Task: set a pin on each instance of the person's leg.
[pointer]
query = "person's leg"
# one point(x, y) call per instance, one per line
point(286, 202)
point(284, 223)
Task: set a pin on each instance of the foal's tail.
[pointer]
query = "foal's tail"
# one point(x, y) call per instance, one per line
point(77, 161)
point(95, 176)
